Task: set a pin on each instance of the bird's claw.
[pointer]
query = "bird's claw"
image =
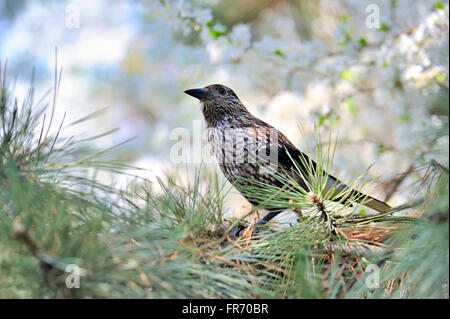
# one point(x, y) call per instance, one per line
point(241, 231)
point(236, 231)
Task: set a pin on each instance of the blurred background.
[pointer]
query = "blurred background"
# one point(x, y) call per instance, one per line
point(364, 69)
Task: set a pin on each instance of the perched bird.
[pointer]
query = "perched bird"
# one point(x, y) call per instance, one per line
point(241, 141)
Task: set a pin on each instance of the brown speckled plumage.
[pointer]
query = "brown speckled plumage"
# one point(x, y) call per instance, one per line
point(238, 138)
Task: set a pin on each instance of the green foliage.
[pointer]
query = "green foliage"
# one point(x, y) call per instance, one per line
point(418, 267)
point(279, 53)
point(352, 107)
point(347, 75)
point(384, 27)
point(362, 42)
point(216, 32)
point(440, 5)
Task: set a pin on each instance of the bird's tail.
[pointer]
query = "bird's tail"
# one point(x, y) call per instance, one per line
point(354, 195)
point(371, 202)
point(357, 196)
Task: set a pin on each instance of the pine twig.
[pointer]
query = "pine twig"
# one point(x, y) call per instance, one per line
point(47, 263)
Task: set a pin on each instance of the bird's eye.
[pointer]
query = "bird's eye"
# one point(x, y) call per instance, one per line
point(221, 91)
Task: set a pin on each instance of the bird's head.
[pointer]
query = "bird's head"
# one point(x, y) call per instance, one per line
point(217, 101)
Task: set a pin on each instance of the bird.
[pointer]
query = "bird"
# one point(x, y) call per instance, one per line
point(240, 141)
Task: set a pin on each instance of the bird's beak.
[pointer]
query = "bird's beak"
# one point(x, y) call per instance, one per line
point(200, 94)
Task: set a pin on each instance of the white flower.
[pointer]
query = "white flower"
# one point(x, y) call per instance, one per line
point(412, 71)
point(215, 54)
point(203, 16)
point(241, 36)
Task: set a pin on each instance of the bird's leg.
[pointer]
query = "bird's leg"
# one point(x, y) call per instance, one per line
point(268, 217)
point(236, 232)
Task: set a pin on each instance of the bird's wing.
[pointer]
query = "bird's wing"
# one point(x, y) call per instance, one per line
point(282, 153)
point(287, 152)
